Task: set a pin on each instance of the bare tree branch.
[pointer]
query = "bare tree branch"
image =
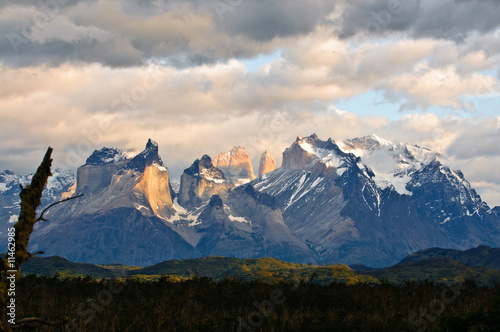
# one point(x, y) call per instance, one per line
point(51, 205)
point(29, 323)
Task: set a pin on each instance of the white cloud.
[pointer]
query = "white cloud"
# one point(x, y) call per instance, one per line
point(83, 83)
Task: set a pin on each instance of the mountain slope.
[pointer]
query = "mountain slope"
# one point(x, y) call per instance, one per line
point(480, 256)
point(120, 218)
point(378, 205)
point(60, 185)
point(362, 201)
point(433, 265)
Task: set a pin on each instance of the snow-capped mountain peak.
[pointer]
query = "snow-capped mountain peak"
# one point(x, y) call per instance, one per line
point(59, 186)
point(312, 154)
point(105, 156)
point(327, 156)
point(393, 163)
point(360, 145)
point(207, 171)
point(7, 180)
point(149, 156)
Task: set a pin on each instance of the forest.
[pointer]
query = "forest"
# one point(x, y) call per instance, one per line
point(202, 304)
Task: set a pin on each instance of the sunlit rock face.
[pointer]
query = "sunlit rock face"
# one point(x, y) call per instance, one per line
point(361, 201)
point(110, 180)
point(236, 165)
point(200, 182)
point(267, 163)
point(122, 216)
point(155, 186)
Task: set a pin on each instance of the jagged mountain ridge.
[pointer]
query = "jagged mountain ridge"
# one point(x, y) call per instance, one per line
point(350, 212)
point(267, 163)
point(120, 218)
point(60, 185)
point(330, 203)
point(128, 215)
point(236, 165)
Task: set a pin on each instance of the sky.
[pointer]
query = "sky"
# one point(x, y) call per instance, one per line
point(202, 76)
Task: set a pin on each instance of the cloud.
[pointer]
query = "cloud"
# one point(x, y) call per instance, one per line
point(266, 20)
point(448, 19)
point(122, 33)
point(174, 70)
point(475, 142)
point(378, 17)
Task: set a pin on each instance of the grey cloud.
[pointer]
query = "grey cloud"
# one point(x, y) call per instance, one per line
point(378, 17)
point(456, 20)
point(448, 19)
point(260, 20)
point(195, 32)
point(264, 20)
point(115, 54)
point(199, 32)
point(47, 4)
point(477, 141)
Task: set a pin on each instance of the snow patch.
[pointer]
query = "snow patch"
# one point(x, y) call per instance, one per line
point(397, 182)
point(241, 181)
point(239, 219)
point(178, 208)
point(139, 207)
point(183, 214)
point(3, 187)
point(161, 168)
point(328, 157)
point(393, 163)
point(299, 187)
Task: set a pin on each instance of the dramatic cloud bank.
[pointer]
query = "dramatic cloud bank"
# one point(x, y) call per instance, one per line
point(203, 76)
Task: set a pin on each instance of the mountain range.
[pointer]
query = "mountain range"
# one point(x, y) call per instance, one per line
point(361, 201)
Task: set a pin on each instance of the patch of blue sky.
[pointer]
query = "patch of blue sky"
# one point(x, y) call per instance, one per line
point(372, 103)
point(482, 106)
point(254, 63)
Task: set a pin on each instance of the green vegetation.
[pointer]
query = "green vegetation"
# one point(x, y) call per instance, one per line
point(264, 269)
point(216, 268)
point(438, 270)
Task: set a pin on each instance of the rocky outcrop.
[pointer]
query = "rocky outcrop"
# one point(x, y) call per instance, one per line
point(373, 201)
point(146, 158)
point(58, 186)
point(267, 163)
point(105, 156)
point(366, 200)
point(236, 165)
point(200, 182)
point(155, 186)
point(141, 181)
point(223, 237)
point(249, 225)
point(121, 217)
point(264, 212)
point(312, 154)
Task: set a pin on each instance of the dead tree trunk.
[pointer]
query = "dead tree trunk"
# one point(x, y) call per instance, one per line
point(30, 200)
